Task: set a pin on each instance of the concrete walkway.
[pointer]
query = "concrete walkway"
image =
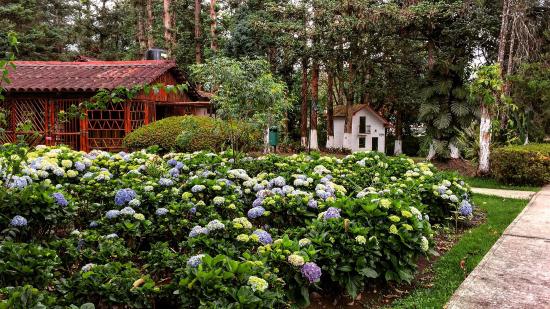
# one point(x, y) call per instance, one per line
point(523, 195)
point(515, 273)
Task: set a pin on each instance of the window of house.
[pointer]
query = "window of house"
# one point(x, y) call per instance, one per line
point(362, 142)
point(362, 125)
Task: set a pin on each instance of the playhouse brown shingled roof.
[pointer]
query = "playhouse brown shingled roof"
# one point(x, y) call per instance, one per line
point(57, 76)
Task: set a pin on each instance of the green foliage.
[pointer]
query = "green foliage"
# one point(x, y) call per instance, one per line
point(487, 86)
point(24, 263)
point(194, 133)
point(522, 165)
point(244, 90)
point(205, 133)
point(26, 297)
point(224, 283)
point(162, 133)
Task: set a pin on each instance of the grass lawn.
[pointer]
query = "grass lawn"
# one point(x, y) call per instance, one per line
point(474, 244)
point(491, 183)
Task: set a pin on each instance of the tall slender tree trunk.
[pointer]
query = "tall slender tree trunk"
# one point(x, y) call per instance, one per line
point(330, 110)
point(484, 141)
point(503, 36)
point(149, 24)
point(213, 35)
point(140, 33)
point(348, 122)
point(168, 31)
point(304, 107)
point(398, 144)
point(313, 141)
point(198, 48)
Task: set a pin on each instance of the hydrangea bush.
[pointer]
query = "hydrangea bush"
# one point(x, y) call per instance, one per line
point(199, 229)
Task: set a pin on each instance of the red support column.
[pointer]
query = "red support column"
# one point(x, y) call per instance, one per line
point(13, 122)
point(127, 118)
point(146, 111)
point(84, 132)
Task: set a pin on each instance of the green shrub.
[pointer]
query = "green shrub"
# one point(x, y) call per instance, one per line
point(522, 165)
point(194, 133)
point(162, 133)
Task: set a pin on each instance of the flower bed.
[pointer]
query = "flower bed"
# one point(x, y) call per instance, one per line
point(194, 230)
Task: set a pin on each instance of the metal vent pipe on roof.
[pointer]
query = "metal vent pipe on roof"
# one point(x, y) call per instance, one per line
point(156, 54)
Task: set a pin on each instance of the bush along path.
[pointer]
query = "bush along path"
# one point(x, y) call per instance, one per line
point(515, 273)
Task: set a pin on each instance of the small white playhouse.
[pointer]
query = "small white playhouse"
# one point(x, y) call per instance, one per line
point(368, 129)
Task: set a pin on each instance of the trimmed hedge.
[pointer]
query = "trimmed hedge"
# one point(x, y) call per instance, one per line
point(162, 133)
point(522, 165)
point(194, 133)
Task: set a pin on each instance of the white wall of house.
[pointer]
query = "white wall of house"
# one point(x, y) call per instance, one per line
point(339, 123)
point(374, 130)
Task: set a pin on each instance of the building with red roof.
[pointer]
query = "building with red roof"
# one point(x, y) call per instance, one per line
point(40, 90)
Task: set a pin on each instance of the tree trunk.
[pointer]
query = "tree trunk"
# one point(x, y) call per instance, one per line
point(168, 35)
point(432, 152)
point(503, 36)
point(149, 24)
point(454, 151)
point(484, 141)
point(313, 142)
point(213, 37)
point(140, 33)
point(330, 111)
point(348, 124)
point(198, 48)
point(398, 144)
point(304, 108)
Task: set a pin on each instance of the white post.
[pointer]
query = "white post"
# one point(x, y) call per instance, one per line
point(267, 149)
point(484, 141)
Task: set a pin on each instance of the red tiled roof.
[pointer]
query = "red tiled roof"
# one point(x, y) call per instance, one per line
point(340, 111)
point(57, 76)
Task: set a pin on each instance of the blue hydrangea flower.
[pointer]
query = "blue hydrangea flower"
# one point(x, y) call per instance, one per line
point(193, 210)
point(312, 203)
point(172, 162)
point(198, 230)
point(161, 211)
point(18, 221)
point(255, 212)
point(311, 272)
point(179, 165)
point(165, 182)
point(174, 172)
point(257, 187)
point(128, 211)
point(257, 202)
point(465, 208)
point(79, 166)
point(19, 182)
point(94, 224)
point(323, 194)
point(442, 189)
point(331, 213)
point(111, 214)
point(124, 196)
point(215, 225)
point(195, 260)
point(263, 236)
point(60, 199)
point(197, 188)
point(278, 191)
point(277, 182)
